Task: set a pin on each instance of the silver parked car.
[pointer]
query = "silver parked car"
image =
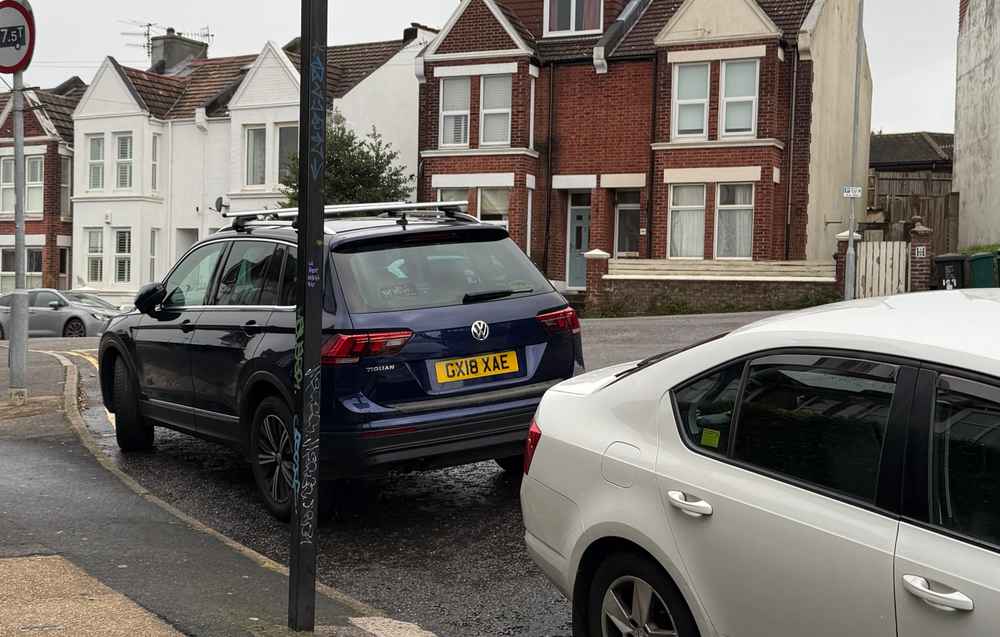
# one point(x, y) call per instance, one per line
point(60, 313)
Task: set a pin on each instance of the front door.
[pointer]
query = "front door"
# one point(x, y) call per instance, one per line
point(776, 516)
point(947, 570)
point(163, 338)
point(579, 239)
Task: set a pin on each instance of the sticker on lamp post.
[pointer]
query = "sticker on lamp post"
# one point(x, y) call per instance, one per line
point(852, 192)
point(17, 36)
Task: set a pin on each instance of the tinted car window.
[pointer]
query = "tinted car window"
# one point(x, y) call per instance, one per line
point(244, 273)
point(189, 282)
point(289, 278)
point(966, 473)
point(818, 419)
point(706, 405)
point(5, 301)
point(439, 273)
point(272, 281)
point(43, 298)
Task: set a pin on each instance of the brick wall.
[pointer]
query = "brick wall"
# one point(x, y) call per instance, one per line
point(476, 30)
point(648, 298)
point(963, 10)
point(51, 224)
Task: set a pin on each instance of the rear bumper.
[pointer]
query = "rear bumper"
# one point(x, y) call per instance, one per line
point(458, 437)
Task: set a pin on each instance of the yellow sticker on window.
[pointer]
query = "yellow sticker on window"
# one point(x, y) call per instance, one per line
point(710, 438)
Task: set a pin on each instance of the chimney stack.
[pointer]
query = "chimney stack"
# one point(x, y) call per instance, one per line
point(172, 49)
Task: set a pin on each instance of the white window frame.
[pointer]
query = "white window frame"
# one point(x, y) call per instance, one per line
point(277, 146)
point(572, 21)
point(34, 185)
point(724, 101)
point(124, 162)
point(7, 186)
point(154, 250)
point(531, 115)
point(670, 211)
point(66, 188)
point(719, 209)
point(479, 205)
point(443, 113)
point(440, 194)
point(96, 163)
point(483, 111)
point(154, 154)
point(246, 156)
point(119, 256)
point(92, 255)
point(677, 103)
point(629, 207)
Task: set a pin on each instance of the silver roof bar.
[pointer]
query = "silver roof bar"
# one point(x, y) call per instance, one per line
point(339, 210)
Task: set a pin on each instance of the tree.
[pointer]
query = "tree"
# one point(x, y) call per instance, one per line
point(358, 169)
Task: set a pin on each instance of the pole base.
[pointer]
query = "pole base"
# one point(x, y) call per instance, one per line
point(18, 397)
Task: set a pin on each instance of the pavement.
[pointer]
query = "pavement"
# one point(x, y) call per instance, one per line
point(79, 543)
point(441, 549)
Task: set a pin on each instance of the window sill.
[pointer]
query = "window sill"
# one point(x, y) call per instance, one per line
point(725, 142)
point(479, 152)
point(572, 34)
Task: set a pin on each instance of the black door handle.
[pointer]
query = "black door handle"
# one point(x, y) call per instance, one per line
point(251, 327)
point(187, 325)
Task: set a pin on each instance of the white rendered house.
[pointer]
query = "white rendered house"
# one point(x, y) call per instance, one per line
point(157, 148)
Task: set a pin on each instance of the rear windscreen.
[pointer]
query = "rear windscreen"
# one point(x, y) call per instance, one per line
point(405, 277)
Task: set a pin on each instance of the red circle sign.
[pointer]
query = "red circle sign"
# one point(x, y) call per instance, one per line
point(17, 36)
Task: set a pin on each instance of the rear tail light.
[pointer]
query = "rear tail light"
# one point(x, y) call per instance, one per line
point(564, 320)
point(350, 348)
point(531, 444)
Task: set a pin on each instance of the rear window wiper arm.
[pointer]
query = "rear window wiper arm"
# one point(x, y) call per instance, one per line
point(478, 297)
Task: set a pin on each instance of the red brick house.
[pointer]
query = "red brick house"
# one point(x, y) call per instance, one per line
point(48, 133)
point(667, 131)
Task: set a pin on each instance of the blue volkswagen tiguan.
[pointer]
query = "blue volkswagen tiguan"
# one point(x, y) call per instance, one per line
point(440, 337)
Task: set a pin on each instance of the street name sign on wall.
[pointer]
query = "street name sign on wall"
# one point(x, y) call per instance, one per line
point(852, 192)
point(17, 36)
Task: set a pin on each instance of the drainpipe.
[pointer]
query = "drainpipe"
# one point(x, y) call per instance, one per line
point(791, 157)
point(169, 226)
point(548, 169)
point(651, 177)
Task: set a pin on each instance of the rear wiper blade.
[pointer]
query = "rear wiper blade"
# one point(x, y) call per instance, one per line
point(492, 295)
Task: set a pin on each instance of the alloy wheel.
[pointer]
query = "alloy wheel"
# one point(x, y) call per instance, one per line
point(274, 457)
point(632, 608)
point(74, 329)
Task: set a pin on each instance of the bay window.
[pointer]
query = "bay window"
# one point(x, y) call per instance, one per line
point(123, 161)
point(34, 192)
point(256, 155)
point(123, 256)
point(690, 111)
point(573, 16)
point(495, 97)
point(734, 222)
point(95, 254)
point(454, 121)
point(687, 221)
point(66, 188)
point(288, 148)
point(494, 205)
point(739, 98)
point(154, 151)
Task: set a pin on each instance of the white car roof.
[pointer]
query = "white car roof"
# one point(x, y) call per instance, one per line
point(959, 327)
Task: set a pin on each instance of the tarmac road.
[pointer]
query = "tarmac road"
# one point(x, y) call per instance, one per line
point(443, 549)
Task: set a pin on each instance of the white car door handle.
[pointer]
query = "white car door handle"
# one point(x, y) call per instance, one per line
point(920, 587)
point(694, 508)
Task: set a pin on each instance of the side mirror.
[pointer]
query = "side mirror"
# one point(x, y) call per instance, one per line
point(55, 305)
point(149, 296)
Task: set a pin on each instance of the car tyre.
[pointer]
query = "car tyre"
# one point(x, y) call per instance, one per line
point(74, 328)
point(613, 610)
point(271, 451)
point(513, 465)
point(132, 431)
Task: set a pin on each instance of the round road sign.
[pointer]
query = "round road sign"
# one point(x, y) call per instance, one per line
point(17, 36)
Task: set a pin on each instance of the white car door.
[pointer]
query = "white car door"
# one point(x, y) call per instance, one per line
point(777, 479)
point(948, 556)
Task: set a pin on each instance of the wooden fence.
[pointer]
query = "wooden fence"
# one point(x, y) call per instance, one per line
point(883, 268)
point(900, 196)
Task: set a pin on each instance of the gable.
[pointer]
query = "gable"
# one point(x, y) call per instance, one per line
point(108, 95)
point(476, 29)
point(271, 80)
point(699, 21)
point(33, 126)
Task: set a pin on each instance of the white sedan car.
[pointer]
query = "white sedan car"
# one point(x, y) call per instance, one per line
point(830, 473)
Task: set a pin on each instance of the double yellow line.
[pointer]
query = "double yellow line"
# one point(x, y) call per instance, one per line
point(88, 355)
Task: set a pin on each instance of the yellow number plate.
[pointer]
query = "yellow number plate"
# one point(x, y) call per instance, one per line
point(476, 367)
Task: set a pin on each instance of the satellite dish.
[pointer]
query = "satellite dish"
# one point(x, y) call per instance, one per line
point(219, 205)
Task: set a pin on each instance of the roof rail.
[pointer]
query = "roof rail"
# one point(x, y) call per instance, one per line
point(451, 210)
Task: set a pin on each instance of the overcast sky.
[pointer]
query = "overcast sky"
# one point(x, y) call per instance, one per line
point(911, 44)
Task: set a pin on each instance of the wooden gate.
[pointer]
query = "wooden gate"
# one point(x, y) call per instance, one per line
point(883, 268)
